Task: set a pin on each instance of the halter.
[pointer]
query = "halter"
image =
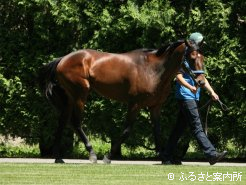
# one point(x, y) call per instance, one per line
point(191, 72)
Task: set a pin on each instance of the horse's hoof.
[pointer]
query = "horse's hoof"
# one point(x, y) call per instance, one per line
point(106, 160)
point(59, 161)
point(93, 158)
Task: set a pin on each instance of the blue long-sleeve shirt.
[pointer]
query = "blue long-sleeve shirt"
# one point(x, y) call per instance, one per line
point(184, 93)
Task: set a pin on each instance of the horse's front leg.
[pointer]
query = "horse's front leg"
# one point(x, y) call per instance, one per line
point(155, 116)
point(130, 119)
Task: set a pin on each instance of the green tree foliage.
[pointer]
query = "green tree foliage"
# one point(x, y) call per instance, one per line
point(34, 32)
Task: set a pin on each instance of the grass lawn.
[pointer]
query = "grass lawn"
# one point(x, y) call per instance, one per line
point(99, 174)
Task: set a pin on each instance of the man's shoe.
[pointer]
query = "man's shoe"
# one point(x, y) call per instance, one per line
point(217, 158)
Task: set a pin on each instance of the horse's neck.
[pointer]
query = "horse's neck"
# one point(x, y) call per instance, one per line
point(170, 63)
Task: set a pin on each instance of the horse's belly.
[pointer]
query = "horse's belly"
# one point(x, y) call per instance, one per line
point(117, 92)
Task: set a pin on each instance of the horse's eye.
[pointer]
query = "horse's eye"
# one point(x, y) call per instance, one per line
point(193, 55)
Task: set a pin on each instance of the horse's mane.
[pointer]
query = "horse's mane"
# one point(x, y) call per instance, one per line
point(170, 46)
point(145, 50)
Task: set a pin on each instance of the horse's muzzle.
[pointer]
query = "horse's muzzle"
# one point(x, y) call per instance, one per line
point(200, 83)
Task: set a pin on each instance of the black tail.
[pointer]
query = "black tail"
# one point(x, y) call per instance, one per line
point(49, 85)
point(47, 77)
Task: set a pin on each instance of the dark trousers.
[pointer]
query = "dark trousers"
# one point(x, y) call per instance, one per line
point(188, 116)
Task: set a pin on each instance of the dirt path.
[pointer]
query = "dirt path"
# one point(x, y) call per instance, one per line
point(79, 161)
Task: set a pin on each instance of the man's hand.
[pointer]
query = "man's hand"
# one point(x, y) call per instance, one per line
point(193, 89)
point(214, 96)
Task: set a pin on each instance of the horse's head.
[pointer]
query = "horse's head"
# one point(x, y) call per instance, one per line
point(193, 62)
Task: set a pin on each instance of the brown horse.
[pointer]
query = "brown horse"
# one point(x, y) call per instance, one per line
point(140, 78)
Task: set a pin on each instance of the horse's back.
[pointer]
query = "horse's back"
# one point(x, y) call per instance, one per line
point(116, 76)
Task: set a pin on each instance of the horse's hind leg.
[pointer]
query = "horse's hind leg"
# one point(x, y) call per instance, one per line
point(79, 94)
point(76, 121)
point(63, 120)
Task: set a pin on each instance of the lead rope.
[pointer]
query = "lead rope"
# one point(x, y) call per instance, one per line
point(206, 119)
point(208, 104)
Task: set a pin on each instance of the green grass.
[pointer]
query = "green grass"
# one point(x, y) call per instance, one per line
point(99, 174)
point(21, 150)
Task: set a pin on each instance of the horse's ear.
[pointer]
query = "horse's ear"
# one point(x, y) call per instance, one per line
point(192, 45)
point(188, 43)
point(202, 42)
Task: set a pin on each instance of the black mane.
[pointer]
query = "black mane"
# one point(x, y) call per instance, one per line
point(170, 46)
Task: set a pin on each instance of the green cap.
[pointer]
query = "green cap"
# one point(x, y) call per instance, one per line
point(196, 37)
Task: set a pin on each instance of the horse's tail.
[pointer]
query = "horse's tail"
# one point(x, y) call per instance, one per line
point(49, 84)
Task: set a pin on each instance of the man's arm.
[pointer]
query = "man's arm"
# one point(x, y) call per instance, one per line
point(193, 89)
point(208, 87)
point(182, 81)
